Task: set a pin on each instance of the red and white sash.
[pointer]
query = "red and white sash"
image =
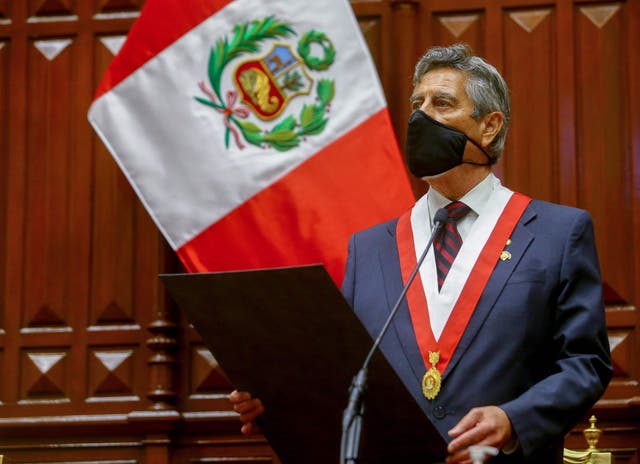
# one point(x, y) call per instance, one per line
point(467, 278)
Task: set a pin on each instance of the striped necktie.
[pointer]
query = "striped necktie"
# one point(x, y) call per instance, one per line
point(448, 242)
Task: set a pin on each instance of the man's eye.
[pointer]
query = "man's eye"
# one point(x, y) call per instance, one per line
point(415, 105)
point(441, 103)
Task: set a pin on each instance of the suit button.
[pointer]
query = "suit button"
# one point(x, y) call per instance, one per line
point(439, 412)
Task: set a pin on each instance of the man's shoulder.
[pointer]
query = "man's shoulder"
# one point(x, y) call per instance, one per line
point(556, 217)
point(382, 230)
point(556, 209)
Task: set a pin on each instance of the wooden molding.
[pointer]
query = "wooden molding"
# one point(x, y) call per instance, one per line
point(458, 24)
point(529, 20)
point(599, 15)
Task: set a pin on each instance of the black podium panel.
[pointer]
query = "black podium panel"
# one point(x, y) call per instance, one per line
point(288, 336)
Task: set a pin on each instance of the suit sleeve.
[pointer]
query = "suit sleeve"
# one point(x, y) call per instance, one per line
point(582, 367)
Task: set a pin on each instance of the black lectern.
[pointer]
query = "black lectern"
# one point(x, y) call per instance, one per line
point(288, 336)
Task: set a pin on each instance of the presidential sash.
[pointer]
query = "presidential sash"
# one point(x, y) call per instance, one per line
point(437, 350)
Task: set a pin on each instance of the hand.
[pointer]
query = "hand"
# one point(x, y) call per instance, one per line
point(248, 408)
point(488, 425)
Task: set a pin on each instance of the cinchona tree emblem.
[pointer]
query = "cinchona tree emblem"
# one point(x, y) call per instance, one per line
point(266, 84)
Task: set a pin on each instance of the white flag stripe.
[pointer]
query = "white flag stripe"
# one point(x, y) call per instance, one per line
point(186, 197)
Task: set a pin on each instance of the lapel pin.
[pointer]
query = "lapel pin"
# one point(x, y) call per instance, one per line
point(508, 241)
point(505, 255)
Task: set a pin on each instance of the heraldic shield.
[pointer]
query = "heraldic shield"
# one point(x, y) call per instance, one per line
point(267, 84)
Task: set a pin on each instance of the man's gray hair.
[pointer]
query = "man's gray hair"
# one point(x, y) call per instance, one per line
point(485, 86)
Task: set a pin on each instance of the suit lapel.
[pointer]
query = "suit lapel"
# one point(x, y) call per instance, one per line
point(521, 238)
point(401, 328)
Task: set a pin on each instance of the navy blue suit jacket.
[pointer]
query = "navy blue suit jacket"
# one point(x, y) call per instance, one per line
point(536, 344)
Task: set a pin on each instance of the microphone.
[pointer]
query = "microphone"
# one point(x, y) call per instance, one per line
point(352, 416)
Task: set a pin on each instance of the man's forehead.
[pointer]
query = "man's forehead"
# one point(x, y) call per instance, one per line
point(442, 81)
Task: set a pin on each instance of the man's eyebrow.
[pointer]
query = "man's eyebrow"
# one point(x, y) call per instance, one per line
point(442, 95)
point(446, 96)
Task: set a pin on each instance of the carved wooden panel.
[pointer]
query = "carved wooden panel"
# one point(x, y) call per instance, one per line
point(45, 8)
point(3, 397)
point(624, 390)
point(374, 21)
point(603, 143)
point(4, 166)
point(4, 10)
point(371, 28)
point(48, 229)
point(530, 156)
point(110, 6)
point(464, 26)
point(44, 376)
point(114, 237)
point(112, 374)
point(206, 376)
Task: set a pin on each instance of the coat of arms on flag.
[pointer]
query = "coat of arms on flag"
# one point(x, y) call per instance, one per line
point(255, 133)
point(267, 83)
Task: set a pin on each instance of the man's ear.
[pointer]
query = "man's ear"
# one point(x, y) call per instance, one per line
point(492, 124)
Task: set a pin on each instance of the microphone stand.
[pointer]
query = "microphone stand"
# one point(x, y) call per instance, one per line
point(352, 416)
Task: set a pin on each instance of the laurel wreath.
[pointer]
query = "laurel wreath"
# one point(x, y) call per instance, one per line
point(304, 50)
point(289, 132)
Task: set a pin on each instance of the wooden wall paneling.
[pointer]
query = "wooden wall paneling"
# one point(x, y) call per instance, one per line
point(633, 105)
point(567, 172)
point(14, 209)
point(129, 302)
point(4, 174)
point(113, 270)
point(81, 191)
point(195, 447)
point(117, 367)
point(4, 10)
point(54, 261)
point(622, 398)
point(45, 376)
point(604, 164)
point(48, 8)
point(204, 385)
point(118, 6)
point(111, 373)
point(48, 231)
point(53, 450)
point(494, 34)
point(461, 26)
point(4, 164)
point(530, 157)
point(379, 21)
point(372, 18)
point(406, 52)
point(619, 408)
point(206, 377)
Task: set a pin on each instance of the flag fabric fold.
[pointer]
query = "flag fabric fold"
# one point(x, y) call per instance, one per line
point(255, 133)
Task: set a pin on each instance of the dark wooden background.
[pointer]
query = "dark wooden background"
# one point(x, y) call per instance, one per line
point(97, 366)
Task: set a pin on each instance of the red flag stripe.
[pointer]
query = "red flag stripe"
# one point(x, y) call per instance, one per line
point(293, 221)
point(161, 23)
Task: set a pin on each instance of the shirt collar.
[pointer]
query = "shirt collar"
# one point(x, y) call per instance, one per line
point(476, 198)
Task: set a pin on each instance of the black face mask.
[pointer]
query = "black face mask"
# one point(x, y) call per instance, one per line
point(434, 148)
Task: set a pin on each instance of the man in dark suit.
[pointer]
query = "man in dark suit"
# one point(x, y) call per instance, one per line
point(502, 340)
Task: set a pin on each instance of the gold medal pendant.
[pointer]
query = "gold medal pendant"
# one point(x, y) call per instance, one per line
point(432, 379)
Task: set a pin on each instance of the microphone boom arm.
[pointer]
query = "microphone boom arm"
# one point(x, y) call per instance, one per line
point(352, 416)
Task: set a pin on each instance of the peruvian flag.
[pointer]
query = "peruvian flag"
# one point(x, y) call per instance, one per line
point(255, 132)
